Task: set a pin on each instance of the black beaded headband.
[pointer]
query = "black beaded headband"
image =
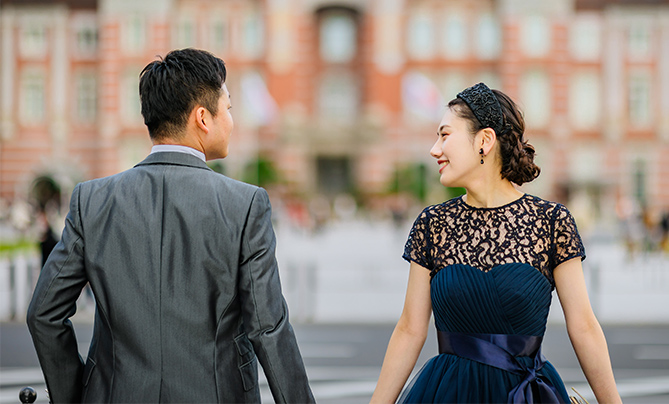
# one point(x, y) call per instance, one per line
point(485, 106)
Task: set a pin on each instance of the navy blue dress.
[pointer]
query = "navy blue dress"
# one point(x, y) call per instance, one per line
point(492, 273)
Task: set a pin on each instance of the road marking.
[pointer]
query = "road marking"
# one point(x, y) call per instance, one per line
point(645, 386)
point(315, 350)
point(652, 352)
point(18, 376)
point(328, 383)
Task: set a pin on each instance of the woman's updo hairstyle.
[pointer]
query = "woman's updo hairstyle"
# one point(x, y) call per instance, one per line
point(516, 154)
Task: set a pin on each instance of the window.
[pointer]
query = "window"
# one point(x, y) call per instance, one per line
point(585, 100)
point(488, 45)
point(536, 98)
point(33, 98)
point(87, 40)
point(253, 34)
point(454, 43)
point(639, 99)
point(33, 40)
point(219, 35)
point(184, 35)
point(338, 97)
point(133, 33)
point(639, 39)
point(585, 37)
point(338, 36)
point(535, 36)
point(130, 104)
point(420, 42)
point(87, 100)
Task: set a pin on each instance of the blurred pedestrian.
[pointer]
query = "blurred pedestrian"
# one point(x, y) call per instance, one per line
point(664, 232)
point(485, 264)
point(48, 239)
point(182, 263)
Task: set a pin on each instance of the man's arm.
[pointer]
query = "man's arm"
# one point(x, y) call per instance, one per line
point(264, 308)
point(53, 303)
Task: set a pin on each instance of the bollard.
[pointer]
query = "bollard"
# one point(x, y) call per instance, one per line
point(27, 395)
point(21, 286)
point(6, 292)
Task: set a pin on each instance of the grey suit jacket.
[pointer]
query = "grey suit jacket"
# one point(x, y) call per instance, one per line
point(181, 262)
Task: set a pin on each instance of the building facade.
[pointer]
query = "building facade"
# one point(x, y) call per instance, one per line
point(343, 96)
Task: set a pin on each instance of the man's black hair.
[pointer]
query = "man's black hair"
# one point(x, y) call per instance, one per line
point(170, 88)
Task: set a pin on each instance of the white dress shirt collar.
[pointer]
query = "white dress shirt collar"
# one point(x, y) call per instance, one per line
point(179, 149)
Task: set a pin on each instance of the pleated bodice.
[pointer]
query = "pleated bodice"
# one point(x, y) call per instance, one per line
point(508, 299)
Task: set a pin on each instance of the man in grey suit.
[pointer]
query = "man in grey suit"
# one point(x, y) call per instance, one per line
point(181, 261)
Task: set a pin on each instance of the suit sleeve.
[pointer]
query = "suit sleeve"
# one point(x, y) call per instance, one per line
point(53, 303)
point(264, 308)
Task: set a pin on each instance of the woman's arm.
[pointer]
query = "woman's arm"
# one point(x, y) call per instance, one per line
point(584, 331)
point(407, 339)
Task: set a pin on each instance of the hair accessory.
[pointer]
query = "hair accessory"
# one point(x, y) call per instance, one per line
point(485, 106)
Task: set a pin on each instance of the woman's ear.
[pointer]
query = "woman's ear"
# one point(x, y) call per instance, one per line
point(487, 140)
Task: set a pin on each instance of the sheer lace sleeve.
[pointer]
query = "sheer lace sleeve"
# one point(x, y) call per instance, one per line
point(416, 248)
point(567, 241)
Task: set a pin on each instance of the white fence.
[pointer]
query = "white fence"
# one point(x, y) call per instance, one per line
point(353, 272)
point(18, 274)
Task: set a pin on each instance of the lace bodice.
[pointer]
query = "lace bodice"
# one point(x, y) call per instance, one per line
point(529, 230)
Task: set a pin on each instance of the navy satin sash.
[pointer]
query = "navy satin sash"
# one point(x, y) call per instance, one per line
point(500, 350)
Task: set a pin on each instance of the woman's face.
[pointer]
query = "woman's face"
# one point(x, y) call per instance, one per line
point(456, 152)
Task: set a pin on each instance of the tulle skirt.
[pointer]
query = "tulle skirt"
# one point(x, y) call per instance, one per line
point(448, 378)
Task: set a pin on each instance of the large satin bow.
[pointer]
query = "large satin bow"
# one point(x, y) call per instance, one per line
point(500, 350)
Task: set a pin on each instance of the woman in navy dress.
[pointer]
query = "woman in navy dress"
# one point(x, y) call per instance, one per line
point(485, 264)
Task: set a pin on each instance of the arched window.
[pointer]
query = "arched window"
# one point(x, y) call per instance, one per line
point(338, 35)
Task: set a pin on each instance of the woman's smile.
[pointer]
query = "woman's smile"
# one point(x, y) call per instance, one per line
point(442, 165)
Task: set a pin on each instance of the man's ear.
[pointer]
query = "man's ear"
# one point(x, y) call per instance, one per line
point(487, 140)
point(201, 118)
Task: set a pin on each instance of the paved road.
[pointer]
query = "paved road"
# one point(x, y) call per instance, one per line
point(343, 360)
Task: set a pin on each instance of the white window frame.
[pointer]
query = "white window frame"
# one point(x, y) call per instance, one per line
point(535, 35)
point(86, 97)
point(33, 97)
point(421, 44)
point(640, 98)
point(134, 33)
point(338, 36)
point(585, 37)
point(585, 100)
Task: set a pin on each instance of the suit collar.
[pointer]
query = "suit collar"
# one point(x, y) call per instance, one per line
point(173, 158)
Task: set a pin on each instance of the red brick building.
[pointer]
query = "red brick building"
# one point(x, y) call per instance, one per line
point(341, 95)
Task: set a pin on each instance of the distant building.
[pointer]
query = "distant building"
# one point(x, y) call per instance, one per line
point(343, 95)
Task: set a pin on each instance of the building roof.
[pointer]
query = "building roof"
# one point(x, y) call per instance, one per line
point(75, 4)
point(602, 4)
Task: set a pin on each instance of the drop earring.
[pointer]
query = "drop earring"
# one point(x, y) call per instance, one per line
point(481, 153)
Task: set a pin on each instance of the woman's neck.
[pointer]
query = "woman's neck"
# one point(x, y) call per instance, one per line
point(491, 195)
